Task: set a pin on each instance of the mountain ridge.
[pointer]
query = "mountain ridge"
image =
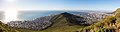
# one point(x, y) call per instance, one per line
point(65, 22)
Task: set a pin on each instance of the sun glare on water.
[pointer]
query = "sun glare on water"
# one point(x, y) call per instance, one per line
point(10, 11)
point(10, 15)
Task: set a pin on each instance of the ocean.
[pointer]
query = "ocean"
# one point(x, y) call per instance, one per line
point(30, 15)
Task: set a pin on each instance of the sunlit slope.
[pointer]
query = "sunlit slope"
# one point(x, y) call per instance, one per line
point(5, 28)
point(109, 24)
point(62, 23)
point(66, 22)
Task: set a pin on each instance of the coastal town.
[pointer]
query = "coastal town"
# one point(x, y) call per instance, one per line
point(44, 22)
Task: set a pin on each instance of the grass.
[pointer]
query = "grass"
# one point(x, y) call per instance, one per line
point(109, 24)
point(61, 24)
point(5, 28)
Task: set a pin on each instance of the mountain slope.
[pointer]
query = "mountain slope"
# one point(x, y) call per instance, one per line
point(63, 23)
point(5, 28)
point(109, 24)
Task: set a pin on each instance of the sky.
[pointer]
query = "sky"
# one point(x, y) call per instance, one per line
point(65, 4)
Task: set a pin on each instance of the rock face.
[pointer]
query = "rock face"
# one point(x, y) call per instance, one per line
point(45, 22)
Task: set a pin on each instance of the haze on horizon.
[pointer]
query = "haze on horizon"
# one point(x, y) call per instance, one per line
point(13, 6)
point(65, 4)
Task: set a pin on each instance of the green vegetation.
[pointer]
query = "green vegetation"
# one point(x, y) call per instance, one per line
point(105, 25)
point(61, 24)
point(5, 28)
point(109, 24)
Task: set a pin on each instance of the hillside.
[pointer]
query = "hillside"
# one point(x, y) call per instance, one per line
point(65, 22)
point(109, 24)
point(5, 28)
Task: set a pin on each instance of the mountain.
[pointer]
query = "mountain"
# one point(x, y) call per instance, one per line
point(55, 23)
point(44, 22)
point(66, 22)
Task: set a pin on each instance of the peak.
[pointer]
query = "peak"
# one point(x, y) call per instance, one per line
point(65, 13)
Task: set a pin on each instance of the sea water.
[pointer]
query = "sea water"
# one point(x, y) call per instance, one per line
point(30, 15)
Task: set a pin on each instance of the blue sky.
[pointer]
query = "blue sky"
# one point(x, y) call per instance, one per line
point(67, 4)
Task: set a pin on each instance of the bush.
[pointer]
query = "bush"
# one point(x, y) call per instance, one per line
point(106, 30)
